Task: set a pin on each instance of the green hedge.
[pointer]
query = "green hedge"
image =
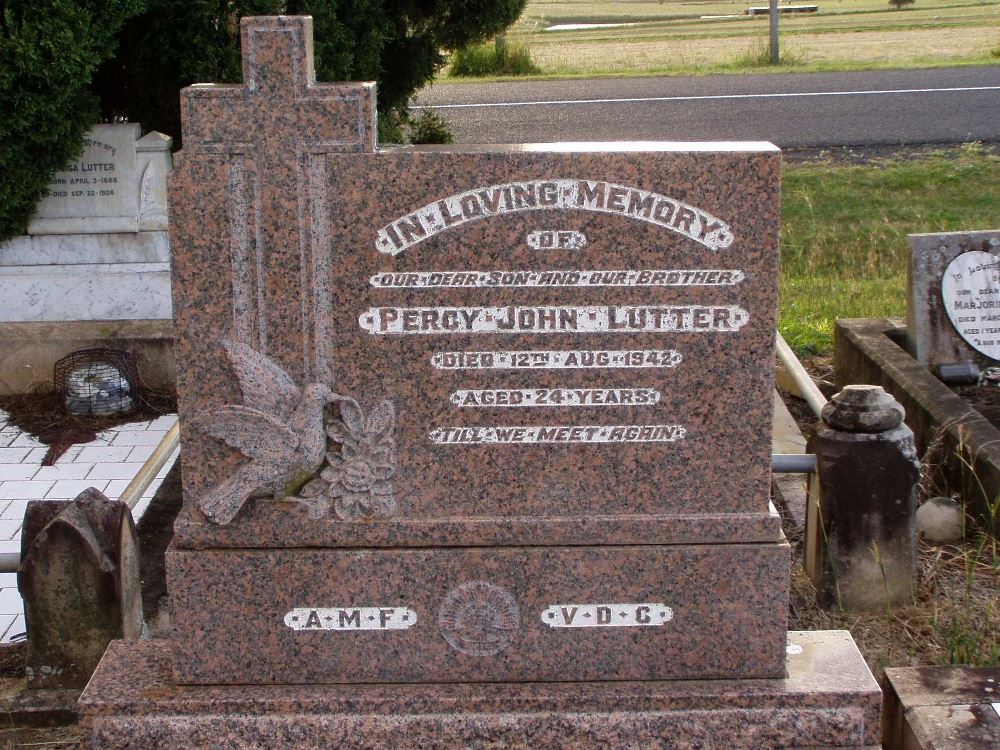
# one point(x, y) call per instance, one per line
point(49, 50)
point(400, 44)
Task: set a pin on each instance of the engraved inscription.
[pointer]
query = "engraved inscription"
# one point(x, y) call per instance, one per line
point(626, 433)
point(557, 278)
point(554, 319)
point(587, 195)
point(478, 618)
point(527, 397)
point(351, 618)
point(91, 179)
point(970, 291)
point(556, 239)
point(548, 360)
point(633, 615)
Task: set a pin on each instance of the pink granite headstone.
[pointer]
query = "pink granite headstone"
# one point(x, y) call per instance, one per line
point(463, 415)
point(535, 377)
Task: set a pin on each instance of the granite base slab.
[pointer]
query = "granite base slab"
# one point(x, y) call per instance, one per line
point(941, 708)
point(471, 614)
point(828, 700)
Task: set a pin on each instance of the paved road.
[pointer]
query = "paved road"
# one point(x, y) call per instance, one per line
point(948, 105)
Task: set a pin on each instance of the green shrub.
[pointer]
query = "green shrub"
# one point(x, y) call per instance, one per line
point(428, 127)
point(496, 59)
point(897, 4)
point(399, 44)
point(49, 50)
point(390, 127)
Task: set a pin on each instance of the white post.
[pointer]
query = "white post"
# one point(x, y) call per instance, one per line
point(774, 32)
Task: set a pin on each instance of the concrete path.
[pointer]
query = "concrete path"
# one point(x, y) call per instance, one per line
point(108, 463)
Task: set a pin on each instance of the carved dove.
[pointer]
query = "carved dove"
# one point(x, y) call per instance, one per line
point(279, 427)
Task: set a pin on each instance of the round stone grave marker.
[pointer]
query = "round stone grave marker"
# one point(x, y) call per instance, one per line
point(970, 290)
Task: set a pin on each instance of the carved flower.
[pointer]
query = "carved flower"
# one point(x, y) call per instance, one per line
point(355, 478)
point(357, 475)
point(360, 462)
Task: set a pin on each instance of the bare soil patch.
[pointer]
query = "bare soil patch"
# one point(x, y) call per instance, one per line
point(983, 398)
point(42, 416)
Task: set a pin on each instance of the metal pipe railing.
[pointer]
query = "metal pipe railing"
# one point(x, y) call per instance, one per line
point(148, 471)
point(800, 377)
point(793, 463)
point(11, 561)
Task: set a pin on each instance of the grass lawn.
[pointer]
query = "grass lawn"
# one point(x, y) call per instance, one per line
point(843, 233)
point(711, 36)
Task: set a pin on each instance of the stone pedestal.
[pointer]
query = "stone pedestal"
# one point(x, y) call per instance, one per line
point(829, 700)
point(861, 547)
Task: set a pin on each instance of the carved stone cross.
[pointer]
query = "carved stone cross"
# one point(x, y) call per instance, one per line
point(259, 149)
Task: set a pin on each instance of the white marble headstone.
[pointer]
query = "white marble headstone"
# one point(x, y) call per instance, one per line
point(118, 184)
point(97, 248)
point(970, 291)
point(951, 295)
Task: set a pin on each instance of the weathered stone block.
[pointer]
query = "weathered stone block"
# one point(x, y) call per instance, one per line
point(79, 578)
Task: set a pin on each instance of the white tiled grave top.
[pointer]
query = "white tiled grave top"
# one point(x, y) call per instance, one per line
point(108, 463)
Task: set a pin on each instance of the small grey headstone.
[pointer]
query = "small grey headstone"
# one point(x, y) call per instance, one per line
point(970, 290)
point(118, 184)
point(953, 298)
point(79, 578)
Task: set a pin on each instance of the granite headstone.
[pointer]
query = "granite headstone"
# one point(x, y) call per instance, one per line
point(513, 370)
point(465, 415)
point(953, 302)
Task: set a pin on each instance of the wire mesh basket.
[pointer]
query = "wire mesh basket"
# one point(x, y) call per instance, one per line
point(97, 382)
